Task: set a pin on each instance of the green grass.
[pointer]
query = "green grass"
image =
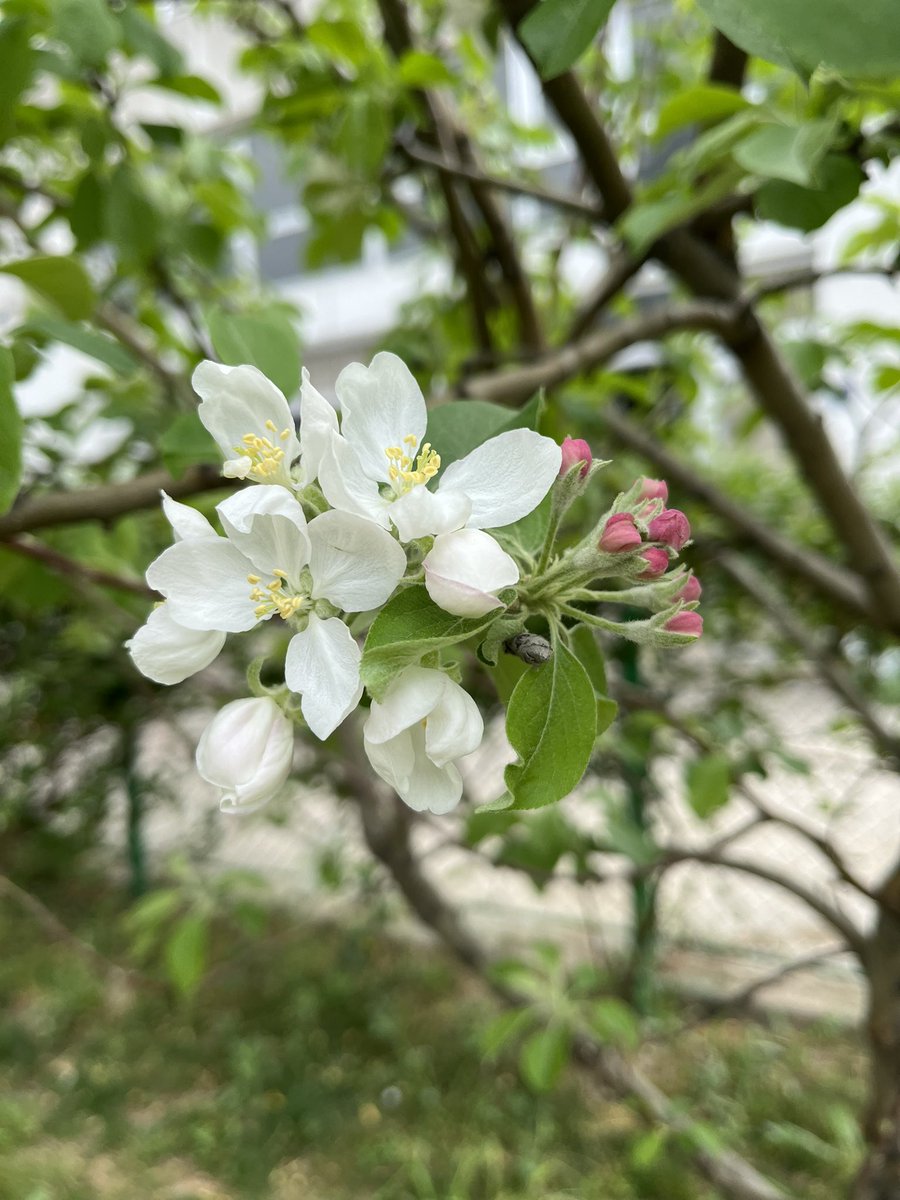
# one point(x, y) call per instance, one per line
point(325, 1064)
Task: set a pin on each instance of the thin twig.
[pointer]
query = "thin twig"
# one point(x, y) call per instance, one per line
point(416, 152)
point(69, 567)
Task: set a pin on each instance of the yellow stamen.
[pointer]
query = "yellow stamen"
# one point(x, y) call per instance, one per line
point(254, 578)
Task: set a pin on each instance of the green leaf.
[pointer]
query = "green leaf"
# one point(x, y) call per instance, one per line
point(557, 32)
point(788, 152)
point(543, 1057)
point(131, 221)
point(142, 37)
point(85, 213)
point(17, 61)
point(551, 723)
point(699, 104)
point(419, 70)
point(60, 279)
point(11, 441)
point(614, 1022)
point(856, 39)
point(708, 783)
point(364, 133)
point(185, 444)
point(80, 337)
point(192, 86)
point(267, 341)
point(588, 653)
point(503, 1029)
point(186, 952)
point(408, 627)
point(839, 179)
point(457, 428)
point(87, 29)
point(886, 377)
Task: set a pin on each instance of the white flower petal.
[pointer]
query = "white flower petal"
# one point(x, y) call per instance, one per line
point(168, 652)
point(268, 525)
point(380, 405)
point(454, 728)
point(346, 486)
point(411, 697)
point(322, 664)
point(187, 524)
point(236, 401)
point(246, 750)
point(393, 760)
point(506, 478)
point(424, 786)
point(205, 582)
point(421, 513)
point(464, 571)
point(318, 421)
point(410, 755)
point(354, 563)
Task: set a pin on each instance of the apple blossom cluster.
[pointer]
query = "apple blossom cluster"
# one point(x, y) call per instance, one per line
point(333, 521)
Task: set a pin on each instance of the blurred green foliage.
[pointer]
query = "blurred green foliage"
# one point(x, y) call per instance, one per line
point(324, 1064)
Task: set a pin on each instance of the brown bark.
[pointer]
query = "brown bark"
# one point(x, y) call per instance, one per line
point(879, 1178)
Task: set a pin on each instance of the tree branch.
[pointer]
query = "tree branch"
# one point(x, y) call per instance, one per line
point(107, 502)
point(418, 153)
point(557, 366)
point(777, 392)
point(71, 567)
point(833, 672)
point(386, 827)
point(622, 268)
point(456, 145)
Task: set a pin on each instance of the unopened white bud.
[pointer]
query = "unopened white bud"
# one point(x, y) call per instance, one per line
point(246, 751)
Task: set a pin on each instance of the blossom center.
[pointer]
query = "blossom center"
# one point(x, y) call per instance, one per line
point(277, 596)
point(409, 467)
point(265, 456)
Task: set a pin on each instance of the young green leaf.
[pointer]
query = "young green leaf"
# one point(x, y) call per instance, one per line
point(268, 342)
point(855, 39)
point(788, 152)
point(89, 341)
point(708, 781)
point(186, 952)
point(551, 723)
point(557, 32)
point(543, 1057)
point(17, 60)
point(455, 429)
point(11, 441)
point(60, 279)
point(410, 626)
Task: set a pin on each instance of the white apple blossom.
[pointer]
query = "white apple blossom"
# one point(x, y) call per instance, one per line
point(162, 649)
point(415, 734)
point(251, 422)
point(378, 466)
point(246, 751)
point(271, 563)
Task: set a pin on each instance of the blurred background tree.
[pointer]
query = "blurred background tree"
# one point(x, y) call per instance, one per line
point(678, 220)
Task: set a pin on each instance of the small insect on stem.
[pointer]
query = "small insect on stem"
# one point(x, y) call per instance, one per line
point(530, 647)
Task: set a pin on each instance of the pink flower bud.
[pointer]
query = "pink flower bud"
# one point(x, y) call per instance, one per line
point(575, 450)
point(657, 561)
point(685, 622)
point(691, 590)
point(670, 527)
point(654, 489)
point(620, 533)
